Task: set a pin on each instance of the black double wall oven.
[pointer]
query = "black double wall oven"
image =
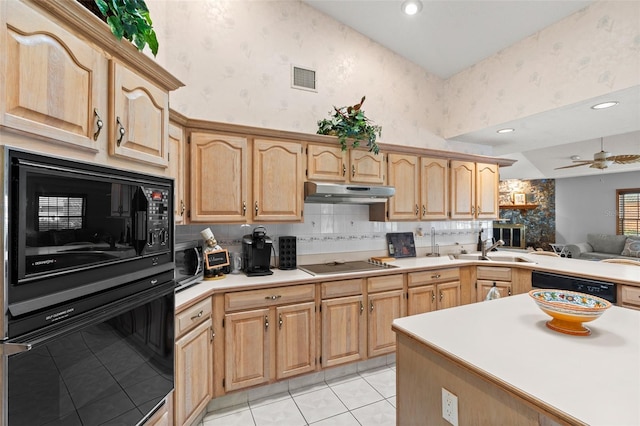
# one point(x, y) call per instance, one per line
point(88, 297)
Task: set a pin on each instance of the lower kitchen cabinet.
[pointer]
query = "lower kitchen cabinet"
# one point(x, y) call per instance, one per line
point(273, 342)
point(490, 275)
point(629, 296)
point(385, 296)
point(193, 362)
point(343, 322)
point(432, 290)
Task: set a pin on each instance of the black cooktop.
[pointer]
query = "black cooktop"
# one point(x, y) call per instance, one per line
point(343, 267)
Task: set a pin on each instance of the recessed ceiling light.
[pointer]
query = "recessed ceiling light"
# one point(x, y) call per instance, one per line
point(604, 105)
point(575, 157)
point(411, 7)
point(509, 130)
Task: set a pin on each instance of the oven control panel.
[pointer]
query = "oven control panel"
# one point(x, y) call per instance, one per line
point(158, 211)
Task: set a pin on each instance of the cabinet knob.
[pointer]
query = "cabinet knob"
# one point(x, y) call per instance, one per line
point(256, 208)
point(274, 297)
point(198, 315)
point(436, 276)
point(441, 296)
point(244, 208)
point(266, 322)
point(280, 321)
point(120, 130)
point(424, 210)
point(433, 296)
point(370, 306)
point(417, 210)
point(353, 170)
point(361, 307)
point(344, 170)
point(181, 207)
point(99, 124)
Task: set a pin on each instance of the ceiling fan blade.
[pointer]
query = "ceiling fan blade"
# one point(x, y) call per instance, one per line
point(581, 163)
point(624, 159)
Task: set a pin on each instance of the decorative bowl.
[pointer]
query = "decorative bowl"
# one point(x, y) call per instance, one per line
point(569, 309)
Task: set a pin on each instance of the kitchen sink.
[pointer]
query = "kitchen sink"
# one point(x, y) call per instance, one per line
point(343, 267)
point(492, 258)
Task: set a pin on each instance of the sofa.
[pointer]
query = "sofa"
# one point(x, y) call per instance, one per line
point(606, 246)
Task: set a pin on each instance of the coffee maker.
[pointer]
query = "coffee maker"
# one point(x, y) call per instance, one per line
point(256, 253)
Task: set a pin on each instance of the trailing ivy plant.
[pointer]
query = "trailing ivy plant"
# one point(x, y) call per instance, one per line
point(130, 19)
point(351, 123)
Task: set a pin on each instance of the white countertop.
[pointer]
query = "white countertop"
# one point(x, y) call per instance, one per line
point(595, 378)
point(583, 268)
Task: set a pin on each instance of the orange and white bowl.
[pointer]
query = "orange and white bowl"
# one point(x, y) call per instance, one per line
point(569, 309)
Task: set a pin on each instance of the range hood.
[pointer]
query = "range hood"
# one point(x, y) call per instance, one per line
point(342, 193)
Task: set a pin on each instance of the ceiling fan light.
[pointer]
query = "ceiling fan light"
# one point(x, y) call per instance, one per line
point(411, 7)
point(507, 130)
point(605, 105)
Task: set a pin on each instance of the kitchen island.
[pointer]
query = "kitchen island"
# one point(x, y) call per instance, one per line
point(506, 367)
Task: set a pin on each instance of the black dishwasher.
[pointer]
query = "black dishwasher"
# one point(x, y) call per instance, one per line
point(603, 289)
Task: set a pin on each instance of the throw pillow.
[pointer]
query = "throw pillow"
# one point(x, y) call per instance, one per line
point(631, 248)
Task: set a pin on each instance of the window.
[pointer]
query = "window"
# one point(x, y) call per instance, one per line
point(628, 222)
point(62, 212)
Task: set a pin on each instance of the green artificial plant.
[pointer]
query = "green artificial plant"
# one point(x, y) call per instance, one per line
point(351, 123)
point(130, 19)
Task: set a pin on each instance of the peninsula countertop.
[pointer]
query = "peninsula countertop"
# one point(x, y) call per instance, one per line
point(594, 379)
point(621, 274)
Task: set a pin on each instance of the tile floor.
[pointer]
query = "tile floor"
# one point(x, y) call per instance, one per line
point(366, 398)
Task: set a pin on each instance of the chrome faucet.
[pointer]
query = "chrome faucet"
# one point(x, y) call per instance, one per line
point(486, 249)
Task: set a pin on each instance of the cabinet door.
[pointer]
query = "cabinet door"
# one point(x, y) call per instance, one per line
point(277, 181)
point(194, 373)
point(463, 194)
point(343, 332)
point(434, 188)
point(487, 181)
point(421, 299)
point(326, 163)
point(177, 170)
point(51, 82)
point(138, 118)
point(504, 288)
point(296, 340)
point(448, 294)
point(383, 309)
point(219, 178)
point(366, 167)
point(403, 175)
point(247, 349)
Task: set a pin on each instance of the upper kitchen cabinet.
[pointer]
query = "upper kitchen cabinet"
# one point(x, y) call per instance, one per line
point(177, 170)
point(474, 190)
point(219, 170)
point(403, 173)
point(277, 181)
point(434, 188)
point(54, 83)
point(138, 118)
point(330, 164)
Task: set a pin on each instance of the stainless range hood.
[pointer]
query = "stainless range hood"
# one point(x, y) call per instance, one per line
point(342, 193)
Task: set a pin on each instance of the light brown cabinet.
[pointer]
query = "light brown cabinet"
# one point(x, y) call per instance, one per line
point(274, 340)
point(330, 164)
point(219, 170)
point(193, 362)
point(432, 290)
point(434, 188)
point(403, 171)
point(490, 275)
point(138, 118)
point(178, 171)
point(54, 84)
point(385, 300)
point(278, 178)
point(474, 190)
point(343, 322)
point(629, 296)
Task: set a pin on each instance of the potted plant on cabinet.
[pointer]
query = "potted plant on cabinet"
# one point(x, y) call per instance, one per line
point(351, 123)
point(126, 18)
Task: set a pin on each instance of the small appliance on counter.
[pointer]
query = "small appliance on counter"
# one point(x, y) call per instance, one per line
point(189, 263)
point(256, 253)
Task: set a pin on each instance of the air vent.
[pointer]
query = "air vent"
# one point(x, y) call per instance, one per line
point(302, 78)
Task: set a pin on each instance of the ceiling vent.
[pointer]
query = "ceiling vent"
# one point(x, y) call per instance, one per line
point(304, 79)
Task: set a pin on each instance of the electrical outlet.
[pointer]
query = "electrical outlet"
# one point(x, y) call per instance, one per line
point(449, 407)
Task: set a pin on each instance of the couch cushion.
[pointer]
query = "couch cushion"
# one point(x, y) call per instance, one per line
point(631, 247)
point(607, 243)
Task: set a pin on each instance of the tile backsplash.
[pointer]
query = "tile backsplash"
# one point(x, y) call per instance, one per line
point(340, 229)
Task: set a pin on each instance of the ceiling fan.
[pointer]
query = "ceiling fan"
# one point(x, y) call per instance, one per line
point(603, 159)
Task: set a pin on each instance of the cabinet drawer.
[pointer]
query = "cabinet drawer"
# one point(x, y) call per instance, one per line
point(341, 288)
point(387, 282)
point(496, 273)
point(630, 296)
point(192, 316)
point(435, 276)
point(268, 297)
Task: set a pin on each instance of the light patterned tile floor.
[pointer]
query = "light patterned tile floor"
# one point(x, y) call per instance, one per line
point(362, 399)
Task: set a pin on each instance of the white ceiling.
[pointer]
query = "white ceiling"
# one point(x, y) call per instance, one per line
point(451, 35)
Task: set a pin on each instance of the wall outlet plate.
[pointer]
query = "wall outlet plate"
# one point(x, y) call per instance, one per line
point(449, 407)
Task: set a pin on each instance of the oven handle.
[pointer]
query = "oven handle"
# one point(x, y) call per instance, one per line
point(40, 337)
